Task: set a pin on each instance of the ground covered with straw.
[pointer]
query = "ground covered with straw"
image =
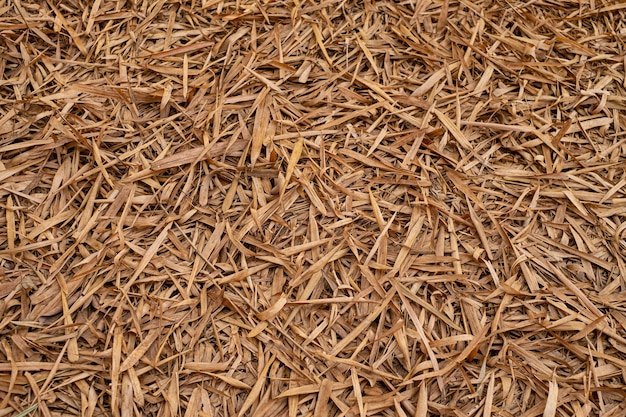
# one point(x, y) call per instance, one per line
point(312, 208)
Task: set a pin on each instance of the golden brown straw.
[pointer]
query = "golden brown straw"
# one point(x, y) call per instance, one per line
point(312, 208)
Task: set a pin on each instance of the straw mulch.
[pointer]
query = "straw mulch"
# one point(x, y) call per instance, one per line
point(312, 208)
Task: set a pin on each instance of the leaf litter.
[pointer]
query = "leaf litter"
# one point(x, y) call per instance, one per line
point(299, 208)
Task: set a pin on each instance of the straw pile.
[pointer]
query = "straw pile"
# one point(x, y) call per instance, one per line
point(303, 208)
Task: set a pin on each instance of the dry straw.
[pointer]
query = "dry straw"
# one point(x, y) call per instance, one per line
point(312, 208)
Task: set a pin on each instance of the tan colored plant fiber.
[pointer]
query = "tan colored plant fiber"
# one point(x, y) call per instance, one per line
point(312, 208)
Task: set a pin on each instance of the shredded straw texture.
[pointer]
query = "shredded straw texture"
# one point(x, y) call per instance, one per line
point(313, 208)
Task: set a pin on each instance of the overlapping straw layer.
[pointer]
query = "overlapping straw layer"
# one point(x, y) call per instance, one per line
point(312, 208)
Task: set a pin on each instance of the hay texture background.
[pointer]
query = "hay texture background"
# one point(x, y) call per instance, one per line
point(312, 208)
